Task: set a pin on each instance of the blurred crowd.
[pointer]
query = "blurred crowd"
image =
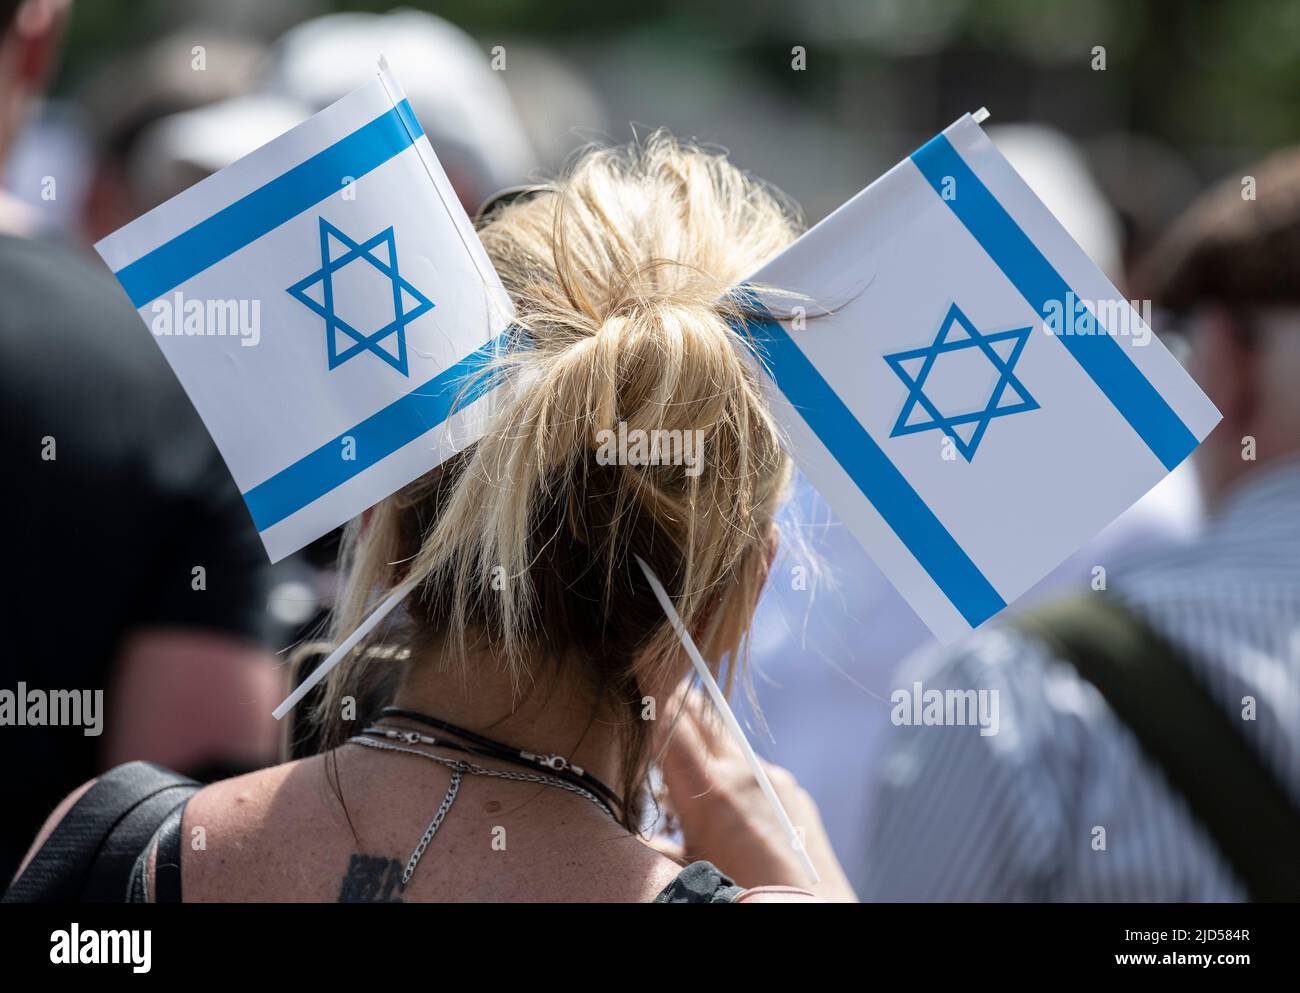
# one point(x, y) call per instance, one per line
point(145, 121)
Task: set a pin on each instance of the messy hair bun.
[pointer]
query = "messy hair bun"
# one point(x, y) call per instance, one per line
point(524, 545)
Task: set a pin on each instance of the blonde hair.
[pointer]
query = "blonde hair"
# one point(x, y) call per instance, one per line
point(524, 545)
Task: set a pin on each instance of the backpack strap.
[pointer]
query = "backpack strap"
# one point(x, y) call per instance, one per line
point(89, 855)
point(1186, 732)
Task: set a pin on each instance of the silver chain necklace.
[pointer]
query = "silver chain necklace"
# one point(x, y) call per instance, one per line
point(458, 769)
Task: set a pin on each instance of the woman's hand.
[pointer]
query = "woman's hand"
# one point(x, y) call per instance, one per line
point(724, 816)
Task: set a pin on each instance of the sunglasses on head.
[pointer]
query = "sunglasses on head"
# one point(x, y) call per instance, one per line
point(504, 198)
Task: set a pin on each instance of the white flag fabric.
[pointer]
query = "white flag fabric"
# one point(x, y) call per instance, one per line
point(962, 384)
point(326, 305)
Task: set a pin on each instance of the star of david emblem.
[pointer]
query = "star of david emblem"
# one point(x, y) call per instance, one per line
point(958, 340)
point(356, 265)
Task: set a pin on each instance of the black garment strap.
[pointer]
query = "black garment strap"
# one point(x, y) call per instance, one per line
point(167, 865)
point(89, 855)
point(1186, 732)
point(700, 882)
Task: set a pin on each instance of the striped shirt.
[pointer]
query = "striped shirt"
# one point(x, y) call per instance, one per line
point(1061, 803)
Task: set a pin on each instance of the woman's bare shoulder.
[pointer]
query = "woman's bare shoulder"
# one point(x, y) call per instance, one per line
point(244, 836)
point(245, 802)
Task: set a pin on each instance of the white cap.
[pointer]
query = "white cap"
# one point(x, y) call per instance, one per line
point(464, 106)
point(181, 149)
point(1056, 171)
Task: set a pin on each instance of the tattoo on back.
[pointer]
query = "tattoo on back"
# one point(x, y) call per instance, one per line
point(372, 879)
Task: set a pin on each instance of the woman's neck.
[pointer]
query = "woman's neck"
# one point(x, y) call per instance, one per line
point(553, 719)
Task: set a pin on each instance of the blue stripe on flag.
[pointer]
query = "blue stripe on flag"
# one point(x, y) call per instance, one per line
point(407, 116)
point(377, 437)
point(1100, 355)
point(887, 489)
point(266, 208)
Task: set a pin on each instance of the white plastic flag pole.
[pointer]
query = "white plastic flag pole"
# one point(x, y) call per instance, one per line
point(728, 718)
point(348, 643)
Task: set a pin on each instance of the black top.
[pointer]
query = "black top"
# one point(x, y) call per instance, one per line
point(103, 537)
point(700, 882)
point(100, 851)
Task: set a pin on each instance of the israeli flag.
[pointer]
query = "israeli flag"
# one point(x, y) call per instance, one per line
point(329, 310)
point(962, 384)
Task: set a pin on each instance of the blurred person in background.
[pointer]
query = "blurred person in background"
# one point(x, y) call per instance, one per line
point(255, 97)
point(464, 106)
point(1149, 739)
point(125, 99)
point(136, 570)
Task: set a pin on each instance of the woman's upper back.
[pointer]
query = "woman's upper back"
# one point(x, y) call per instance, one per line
point(283, 834)
point(142, 833)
